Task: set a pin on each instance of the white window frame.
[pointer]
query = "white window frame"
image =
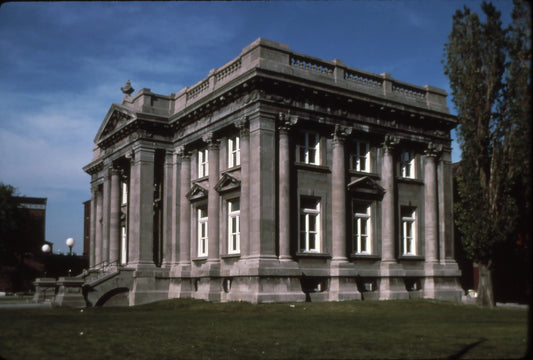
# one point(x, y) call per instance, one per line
point(123, 245)
point(360, 219)
point(304, 151)
point(203, 229)
point(408, 164)
point(409, 233)
point(234, 227)
point(203, 163)
point(124, 195)
point(361, 162)
point(234, 151)
point(306, 232)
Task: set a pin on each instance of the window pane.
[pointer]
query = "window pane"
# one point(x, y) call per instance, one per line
point(235, 205)
point(312, 241)
point(312, 223)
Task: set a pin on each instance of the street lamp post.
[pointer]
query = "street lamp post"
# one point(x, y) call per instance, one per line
point(70, 243)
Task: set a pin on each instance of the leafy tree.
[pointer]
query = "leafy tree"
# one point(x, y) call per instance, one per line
point(488, 69)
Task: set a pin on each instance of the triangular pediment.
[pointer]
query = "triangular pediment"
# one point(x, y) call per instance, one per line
point(197, 192)
point(227, 182)
point(117, 117)
point(366, 185)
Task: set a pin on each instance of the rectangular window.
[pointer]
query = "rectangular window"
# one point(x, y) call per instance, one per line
point(203, 164)
point(361, 157)
point(408, 231)
point(407, 162)
point(309, 224)
point(202, 232)
point(123, 245)
point(124, 196)
point(362, 227)
point(234, 226)
point(308, 148)
point(234, 152)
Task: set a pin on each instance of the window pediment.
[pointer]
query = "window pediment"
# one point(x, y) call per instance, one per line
point(196, 193)
point(366, 186)
point(227, 182)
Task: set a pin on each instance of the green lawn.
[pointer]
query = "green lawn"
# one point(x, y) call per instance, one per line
point(192, 329)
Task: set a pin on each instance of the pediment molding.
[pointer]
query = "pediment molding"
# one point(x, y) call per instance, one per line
point(227, 183)
point(116, 119)
point(366, 186)
point(196, 193)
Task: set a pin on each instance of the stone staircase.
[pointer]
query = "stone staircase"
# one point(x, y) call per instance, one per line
point(109, 288)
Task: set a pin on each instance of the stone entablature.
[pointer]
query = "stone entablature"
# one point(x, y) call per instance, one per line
point(316, 140)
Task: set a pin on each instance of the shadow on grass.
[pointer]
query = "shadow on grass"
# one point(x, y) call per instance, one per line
point(466, 349)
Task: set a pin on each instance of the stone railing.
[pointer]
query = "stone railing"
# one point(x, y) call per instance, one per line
point(278, 58)
point(362, 78)
point(306, 63)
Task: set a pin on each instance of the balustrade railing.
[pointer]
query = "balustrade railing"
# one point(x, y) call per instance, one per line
point(311, 65)
point(363, 79)
point(228, 70)
point(335, 70)
point(407, 90)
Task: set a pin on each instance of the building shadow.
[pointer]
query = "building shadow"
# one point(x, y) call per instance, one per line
point(464, 350)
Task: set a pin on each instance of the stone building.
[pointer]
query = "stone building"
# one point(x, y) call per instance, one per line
point(278, 177)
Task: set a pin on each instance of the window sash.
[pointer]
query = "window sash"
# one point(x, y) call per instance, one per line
point(308, 148)
point(409, 244)
point(202, 232)
point(234, 152)
point(124, 195)
point(363, 229)
point(310, 229)
point(361, 158)
point(203, 163)
point(408, 164)
point(234, 227)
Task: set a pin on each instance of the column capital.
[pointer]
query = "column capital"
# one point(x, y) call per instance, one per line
point(209, 139)
point(390, 142)
point(286, 121)
point(433, 150)
point(340, 133)
point(181, 154)
point(243, 125)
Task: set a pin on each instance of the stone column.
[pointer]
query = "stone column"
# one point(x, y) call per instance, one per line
point(94, 222)
point(141, 208)
point(98, 233)
point(391, 284)
point(431, 225)
point(169, 241)
point(388, 213)
point(213, 202)
point(285, 124)
point(185, 209)
point(105, 216)
point(114, 218)
point(338, 195)
point(244, 133)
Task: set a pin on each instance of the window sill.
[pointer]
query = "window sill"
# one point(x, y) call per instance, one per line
point(410, 181)
point(199, 259)
point(411, 257)
point(365, 257)
point(311, 167)
point(200, 179)
point(230, 256)
point(315, 255)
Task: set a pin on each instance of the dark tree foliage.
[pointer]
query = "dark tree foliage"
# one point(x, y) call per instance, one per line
point(488, 68)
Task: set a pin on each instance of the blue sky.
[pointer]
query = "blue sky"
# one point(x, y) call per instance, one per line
point(62, 65)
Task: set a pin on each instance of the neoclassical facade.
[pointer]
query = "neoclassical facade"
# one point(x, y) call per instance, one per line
point(279, 177)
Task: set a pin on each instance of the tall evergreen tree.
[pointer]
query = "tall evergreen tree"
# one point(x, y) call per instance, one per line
point(488, 72)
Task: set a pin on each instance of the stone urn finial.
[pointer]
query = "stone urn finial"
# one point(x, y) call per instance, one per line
point(127, 89)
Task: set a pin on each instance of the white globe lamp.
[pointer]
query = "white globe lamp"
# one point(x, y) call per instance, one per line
point(70, 243)
point(46, 248)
